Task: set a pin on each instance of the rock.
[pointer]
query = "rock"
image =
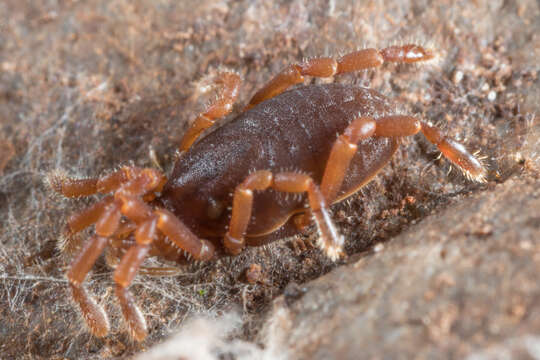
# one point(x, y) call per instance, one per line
point(445, 288)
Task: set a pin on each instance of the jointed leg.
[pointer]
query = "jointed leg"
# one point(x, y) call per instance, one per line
point(341, 155)
point(234, 239)
point(398, 125)
point(148, 223)
point(221, 107)
point(326, 67)
point(182, 236)
point(390, 126)
point(345, 146)
point(93, 313)
point(125, 273)
point(84, 218)
point(456, 153)
point(106, 215)
point(105, 184)
point(338, 162)
point(84, 187)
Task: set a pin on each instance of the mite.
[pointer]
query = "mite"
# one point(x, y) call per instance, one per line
point(232, 188)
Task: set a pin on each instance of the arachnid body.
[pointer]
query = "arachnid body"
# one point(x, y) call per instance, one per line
point(229, 189)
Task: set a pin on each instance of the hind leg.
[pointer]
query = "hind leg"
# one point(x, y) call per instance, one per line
point(391, 126)
point(345, 148)
point(327, 67)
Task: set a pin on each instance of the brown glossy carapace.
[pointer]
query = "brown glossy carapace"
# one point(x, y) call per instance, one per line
point(265, 175)
point(292, 132)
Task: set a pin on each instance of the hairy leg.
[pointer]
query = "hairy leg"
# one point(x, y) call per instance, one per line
point(327, 67)
point(219, 108)
point(330, 241)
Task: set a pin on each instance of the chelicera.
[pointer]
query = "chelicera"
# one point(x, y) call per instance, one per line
point(192, 215)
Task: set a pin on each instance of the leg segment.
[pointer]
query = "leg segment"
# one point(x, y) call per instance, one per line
point(84, 187)
point(234, 241)
point(388, 126)
point(182, 236)
point(391, 126)
point(131, 185)
point(141, 214)
point(341, 155)
point(81, 220)
point(327, 67)
point(346, 145)
point(133, 180)
point(456, 153)
point(123, 276)
point(361, 128)
point(93, 314)
point(398, 125)
point(221, 107)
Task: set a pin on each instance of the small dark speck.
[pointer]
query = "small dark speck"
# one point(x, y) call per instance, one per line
point(293, 292)
point(533, 222)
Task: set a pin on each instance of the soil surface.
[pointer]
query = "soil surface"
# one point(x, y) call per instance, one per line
point(437, 266)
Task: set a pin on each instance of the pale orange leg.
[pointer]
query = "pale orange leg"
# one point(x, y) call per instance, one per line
point(455, 153)
point(345, 146)
point(219, 108)
point(93, 314)
point(70, 187)
point(234, 240)
point(135, 209)
point(106, 215)
point(341, 155)
point(125, 273)
point(390, 126)
point(107, 183)
point(338, 162)
point(401, 125)
point(84, 218)
point(327, 67)
point(129, 200)
point(183, 237)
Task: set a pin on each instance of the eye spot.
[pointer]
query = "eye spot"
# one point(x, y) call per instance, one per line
point(215, 208)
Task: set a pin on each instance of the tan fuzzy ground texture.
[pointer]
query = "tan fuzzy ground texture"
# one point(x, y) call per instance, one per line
point(437, 267)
